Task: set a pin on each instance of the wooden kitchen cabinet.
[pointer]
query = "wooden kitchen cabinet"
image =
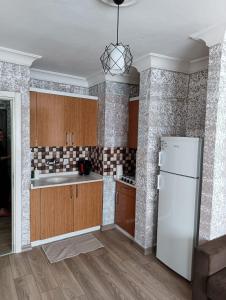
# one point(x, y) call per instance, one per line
point(88, 122)
point(125, 207)
point(63, 209)
point(72, 121)
point(133, 124)
point(88, 200)
point(56, 211)
point(50, 120)
point(35, 212)
point(62, 120)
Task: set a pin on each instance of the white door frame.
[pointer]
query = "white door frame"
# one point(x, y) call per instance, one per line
point(16, 154)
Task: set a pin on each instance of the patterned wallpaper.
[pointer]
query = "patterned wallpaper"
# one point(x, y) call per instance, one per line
point(113, 114)
point(196, 104)
point(213, 201)
point(113, 131)
point(171, 103)
point(15, 78)
point(61, 87)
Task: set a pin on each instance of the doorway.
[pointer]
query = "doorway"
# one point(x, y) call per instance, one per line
point(5, 178)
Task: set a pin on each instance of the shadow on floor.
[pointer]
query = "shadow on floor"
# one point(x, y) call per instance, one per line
point(5, 235)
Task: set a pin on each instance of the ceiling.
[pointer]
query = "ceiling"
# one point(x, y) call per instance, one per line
point(70, 35)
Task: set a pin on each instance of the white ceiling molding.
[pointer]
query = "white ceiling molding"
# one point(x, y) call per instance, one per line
point(199, 64)
point(132, 78)
point(158, 61)
point(58, 77)
point(96, 78)
point(212, 35)
point(17, 57)
point(152, 60)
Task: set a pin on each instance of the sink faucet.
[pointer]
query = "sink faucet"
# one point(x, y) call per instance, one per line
point(52, 162)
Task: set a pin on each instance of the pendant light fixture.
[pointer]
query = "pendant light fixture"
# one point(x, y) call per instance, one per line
point(117, 58)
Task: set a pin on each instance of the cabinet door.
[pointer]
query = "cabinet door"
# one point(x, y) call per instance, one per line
point(72, 121)
point(88, 121)
point(56, 211)
point(50, 120)
point(35, 214)
point(125, 208)
point(87, 205)
point(33, 124)
point(133, 123)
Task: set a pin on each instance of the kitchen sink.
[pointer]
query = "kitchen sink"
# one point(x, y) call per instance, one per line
point(56, 179)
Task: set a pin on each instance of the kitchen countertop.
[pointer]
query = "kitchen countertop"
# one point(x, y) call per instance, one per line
point(63, 179)
point(123, 182)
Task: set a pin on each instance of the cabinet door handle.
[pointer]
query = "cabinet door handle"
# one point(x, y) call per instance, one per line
point(76, 191)
point(71, 192)
point(66, 138)
point(72, 138)
point(117, 198)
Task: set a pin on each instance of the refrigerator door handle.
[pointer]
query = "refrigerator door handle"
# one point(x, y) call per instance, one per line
point(158, 182)
point(160, 159)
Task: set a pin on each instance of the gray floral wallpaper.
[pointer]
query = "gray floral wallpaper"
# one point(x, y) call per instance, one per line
point(213, 201)
point(171, 103)
point(15, 78)
point(113, 129)
point(196, 104)
point(162, 112)
point(55, 86)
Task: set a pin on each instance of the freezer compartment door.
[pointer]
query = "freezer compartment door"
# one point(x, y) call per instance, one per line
point(177, 216)
point(180, 155)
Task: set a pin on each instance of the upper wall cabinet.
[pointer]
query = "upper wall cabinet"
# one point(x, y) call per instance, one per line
point(62, 121)
point(133, 123)
point(72, 117)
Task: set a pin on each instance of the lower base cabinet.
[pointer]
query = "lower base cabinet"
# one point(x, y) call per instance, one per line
point(56, 211)
point(125, 207)
point(88, 205)
point(59, 210)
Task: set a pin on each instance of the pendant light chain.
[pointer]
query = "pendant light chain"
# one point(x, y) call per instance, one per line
point(117, 25)
point(117, 58)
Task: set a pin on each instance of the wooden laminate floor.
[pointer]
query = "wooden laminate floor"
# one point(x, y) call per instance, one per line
point(5, 235)
point(117, 271)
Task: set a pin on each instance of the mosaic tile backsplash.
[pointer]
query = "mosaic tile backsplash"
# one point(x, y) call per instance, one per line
point(104, 160)
point(65, 158)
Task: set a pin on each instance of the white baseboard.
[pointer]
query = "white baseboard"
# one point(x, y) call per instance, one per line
point(64, 236)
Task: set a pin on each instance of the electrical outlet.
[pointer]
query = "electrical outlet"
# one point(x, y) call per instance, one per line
point(66, 161)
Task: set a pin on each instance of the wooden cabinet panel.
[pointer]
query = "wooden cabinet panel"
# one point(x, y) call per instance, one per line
point(35, 214)
point(72, 121)
point(133, 123)
point(50, 120)
point(88, 200)
point(33, 124)
point(62, 121)
point(125, 207)
point(88, 122)
point(56, 211)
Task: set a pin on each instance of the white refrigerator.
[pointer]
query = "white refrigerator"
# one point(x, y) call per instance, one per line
point(179, 193)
